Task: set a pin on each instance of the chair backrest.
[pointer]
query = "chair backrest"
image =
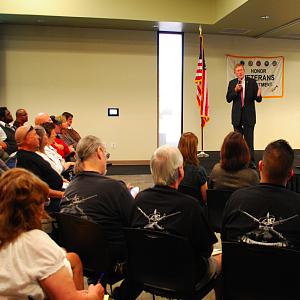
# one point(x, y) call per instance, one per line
point(162, 262)
point(192, 191)
point(86, 238)
point(259, 272)
point(216, 201)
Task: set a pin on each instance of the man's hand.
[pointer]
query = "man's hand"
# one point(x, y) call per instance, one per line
point(238, 88)
point(259, 92)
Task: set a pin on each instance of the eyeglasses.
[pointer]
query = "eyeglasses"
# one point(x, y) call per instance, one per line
point(106, 154)
point(30, 129)
point(25, 135)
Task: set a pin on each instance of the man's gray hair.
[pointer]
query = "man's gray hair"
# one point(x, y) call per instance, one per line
point(164, 165)
point(86, 147)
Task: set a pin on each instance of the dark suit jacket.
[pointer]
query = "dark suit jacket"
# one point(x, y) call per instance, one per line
point(251, 88)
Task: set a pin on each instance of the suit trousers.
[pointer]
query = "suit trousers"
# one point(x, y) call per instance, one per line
point(247, 131)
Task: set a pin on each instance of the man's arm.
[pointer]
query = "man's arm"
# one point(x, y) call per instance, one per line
point(258, 93)
point(231, 91)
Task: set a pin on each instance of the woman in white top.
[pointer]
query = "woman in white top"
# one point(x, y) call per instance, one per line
point(47, 135)
point(32, 265)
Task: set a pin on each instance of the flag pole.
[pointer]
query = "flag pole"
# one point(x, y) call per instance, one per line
point(202, 153)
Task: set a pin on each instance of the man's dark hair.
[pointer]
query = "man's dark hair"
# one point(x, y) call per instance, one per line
point(3, 109)
point(67, 115)
point(278, 159)
point(48, 127)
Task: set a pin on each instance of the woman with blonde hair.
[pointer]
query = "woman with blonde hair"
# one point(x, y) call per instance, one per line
point(194, 182)
point(32, 264)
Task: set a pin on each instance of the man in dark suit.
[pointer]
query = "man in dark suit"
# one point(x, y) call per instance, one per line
point(243, 91)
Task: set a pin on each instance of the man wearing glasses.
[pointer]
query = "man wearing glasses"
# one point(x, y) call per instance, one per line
point(93, 196)
point(28, 142)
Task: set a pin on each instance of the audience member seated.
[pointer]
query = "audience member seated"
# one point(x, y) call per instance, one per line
point(57, 165)
point(7, 132)
point(21, 118)
point(93, 196)
point(71, 132)
point(55, 160)
point(163, 208)
point(59, 145)
point(233, 172)
point(267, 213)
point(33, 266)
point(42, 118)
point(195, 176)
point(28, 142)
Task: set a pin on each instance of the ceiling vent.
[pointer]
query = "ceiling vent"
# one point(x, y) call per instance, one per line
point(238, 31)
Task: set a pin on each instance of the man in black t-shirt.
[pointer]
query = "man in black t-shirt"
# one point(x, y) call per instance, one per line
point(268, 213)
point(93, 196)
point(164, 208)
point(28, 142)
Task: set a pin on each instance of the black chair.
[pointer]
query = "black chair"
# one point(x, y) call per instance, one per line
point(216, 201)
point(86, 238)
point(188, 190)
point(164, 265)
point(259, 272)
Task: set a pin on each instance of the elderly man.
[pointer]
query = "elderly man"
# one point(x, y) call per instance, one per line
point(267, 213)
point(28, 142)
point(182, 213)
point(92, 195)
point(42, 118)
point(7, 132)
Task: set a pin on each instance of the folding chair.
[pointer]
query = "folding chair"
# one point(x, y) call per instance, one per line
point(86, 238)
point(259, 272)
point(164, 265)
point(216, 201)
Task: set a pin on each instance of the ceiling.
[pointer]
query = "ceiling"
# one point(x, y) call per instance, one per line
point(282, 20)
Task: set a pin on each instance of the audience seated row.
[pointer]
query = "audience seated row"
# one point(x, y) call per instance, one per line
point(265, 214)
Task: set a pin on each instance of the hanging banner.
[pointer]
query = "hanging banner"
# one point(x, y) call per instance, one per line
point(267, 71)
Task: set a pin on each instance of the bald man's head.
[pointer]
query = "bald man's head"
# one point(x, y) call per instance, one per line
point(42, 118)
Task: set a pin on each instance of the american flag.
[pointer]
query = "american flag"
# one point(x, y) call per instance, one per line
point(201, 82)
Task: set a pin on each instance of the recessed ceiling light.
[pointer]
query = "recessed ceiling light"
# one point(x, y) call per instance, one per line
point(265, 17)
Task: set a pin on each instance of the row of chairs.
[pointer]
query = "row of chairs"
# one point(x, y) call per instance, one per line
point(248, 271)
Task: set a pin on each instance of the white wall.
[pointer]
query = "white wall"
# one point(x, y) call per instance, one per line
point(276, 118)
point(85, 71)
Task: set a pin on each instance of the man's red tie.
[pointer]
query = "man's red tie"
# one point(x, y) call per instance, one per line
point(242, 97)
